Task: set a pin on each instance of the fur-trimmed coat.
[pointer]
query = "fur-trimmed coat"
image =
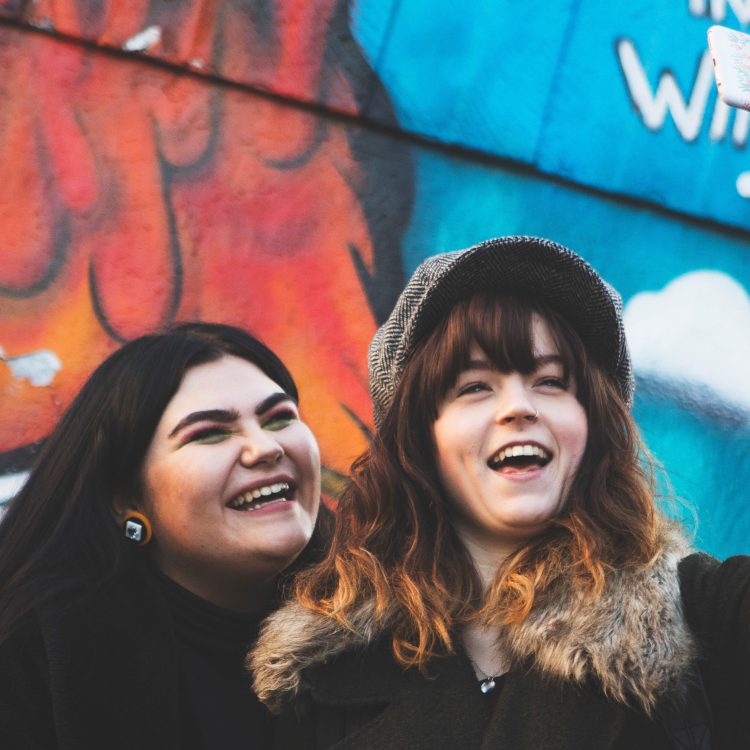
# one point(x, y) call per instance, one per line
point(599, 676)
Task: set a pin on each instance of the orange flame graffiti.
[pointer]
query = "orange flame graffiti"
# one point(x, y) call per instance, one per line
point(132, 195)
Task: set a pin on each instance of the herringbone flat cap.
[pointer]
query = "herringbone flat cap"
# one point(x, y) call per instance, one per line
point(544, 269)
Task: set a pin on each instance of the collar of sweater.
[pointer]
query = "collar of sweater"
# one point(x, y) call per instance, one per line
point(633, 640)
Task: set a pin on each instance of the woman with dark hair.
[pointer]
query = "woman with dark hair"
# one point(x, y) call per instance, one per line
point(501, 575)
point(151, 537)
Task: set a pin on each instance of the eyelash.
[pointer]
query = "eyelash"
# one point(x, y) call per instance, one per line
point(204, 435)
point(286, 416)
point(475, 387)
point(276, 421)
point(555, 382)
point(549, 381)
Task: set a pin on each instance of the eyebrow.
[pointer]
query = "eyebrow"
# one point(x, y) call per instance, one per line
point(271, 401)
point(226, 416)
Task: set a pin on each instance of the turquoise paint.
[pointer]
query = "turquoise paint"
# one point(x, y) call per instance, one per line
point(460, 72)
point(707, 462)
point(635, 248)
point(545, 85)
point(459, 203)
point(548, 84)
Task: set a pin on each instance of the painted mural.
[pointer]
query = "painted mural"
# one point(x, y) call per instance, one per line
point(600, 127)
point(132, 196)
point(281, 164)
point(621, 99)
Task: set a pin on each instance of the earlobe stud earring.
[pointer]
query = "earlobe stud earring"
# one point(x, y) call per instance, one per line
point(137, 528)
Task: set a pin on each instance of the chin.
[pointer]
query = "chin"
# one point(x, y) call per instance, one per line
point(288, 547)
point(528, 529)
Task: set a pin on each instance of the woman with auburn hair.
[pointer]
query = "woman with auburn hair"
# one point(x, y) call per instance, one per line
point(501, 575)
point(153, 534)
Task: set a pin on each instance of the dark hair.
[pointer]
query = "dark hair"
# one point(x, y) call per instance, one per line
point(59, 533)
point(394, 542)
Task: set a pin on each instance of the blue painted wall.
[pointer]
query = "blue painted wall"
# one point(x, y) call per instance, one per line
point(599, 126)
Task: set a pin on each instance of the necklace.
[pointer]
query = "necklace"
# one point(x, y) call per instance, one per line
point(487, 683)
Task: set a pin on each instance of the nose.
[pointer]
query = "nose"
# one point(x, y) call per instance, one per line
point(260, 447)
point(515, 405)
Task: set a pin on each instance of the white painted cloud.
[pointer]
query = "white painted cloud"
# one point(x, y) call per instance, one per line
point(695, 330)
point(39, 367)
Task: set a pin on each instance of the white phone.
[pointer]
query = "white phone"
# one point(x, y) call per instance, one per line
point(730, 51)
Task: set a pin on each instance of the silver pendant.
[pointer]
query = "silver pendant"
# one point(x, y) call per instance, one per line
point(487, 685)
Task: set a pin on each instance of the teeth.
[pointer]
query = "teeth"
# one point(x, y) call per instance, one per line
point(269, 489)
point(520, 450)
point(256, 506)
point(252, 496)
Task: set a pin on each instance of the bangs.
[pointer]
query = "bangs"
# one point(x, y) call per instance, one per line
point(500, 325)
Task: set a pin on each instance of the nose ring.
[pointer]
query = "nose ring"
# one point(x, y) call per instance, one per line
point(532, 417)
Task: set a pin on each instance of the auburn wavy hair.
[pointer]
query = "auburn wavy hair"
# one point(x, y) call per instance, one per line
point(394, 544)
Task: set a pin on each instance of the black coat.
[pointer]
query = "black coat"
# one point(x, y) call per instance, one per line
point(103, 674)
point(365, 702)
point(359, 699)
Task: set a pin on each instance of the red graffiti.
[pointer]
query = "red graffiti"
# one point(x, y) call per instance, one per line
point(133, 195)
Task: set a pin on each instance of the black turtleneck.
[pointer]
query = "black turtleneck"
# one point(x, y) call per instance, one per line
point(220, 710)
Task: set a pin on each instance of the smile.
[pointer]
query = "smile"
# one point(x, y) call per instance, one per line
point(520, 456)
point(260, 496)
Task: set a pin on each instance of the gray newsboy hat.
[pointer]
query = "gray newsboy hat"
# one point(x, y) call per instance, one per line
point(544, 269)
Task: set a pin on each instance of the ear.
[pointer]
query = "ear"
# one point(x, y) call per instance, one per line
point(122, 505)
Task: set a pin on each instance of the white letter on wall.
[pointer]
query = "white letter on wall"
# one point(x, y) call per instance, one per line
point(741, 9)
point(697, 7)
point(668, 98)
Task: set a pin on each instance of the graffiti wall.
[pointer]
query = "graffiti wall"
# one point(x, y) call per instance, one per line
point(280, 165)
point(133, 195)
point(600, 127)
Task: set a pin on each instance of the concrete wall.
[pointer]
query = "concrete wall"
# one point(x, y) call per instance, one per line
point(281, 164)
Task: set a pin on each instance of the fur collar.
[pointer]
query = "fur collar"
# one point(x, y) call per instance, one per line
point(633, 640)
